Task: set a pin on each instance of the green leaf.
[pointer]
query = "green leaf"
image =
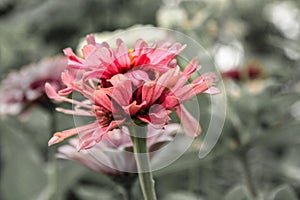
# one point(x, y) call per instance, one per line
point(23, 175)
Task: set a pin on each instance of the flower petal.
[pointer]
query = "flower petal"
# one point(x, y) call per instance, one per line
point(101, 98)
point(133, 108)
point(190, 125)
point(122, 92)
point(51, 93)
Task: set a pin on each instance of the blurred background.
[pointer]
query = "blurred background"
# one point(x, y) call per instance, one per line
point(255, 47)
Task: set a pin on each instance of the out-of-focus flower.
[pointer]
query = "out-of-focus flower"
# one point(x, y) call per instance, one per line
point(251, 76)
point(170, 15)
point(285, 16)
point(143, 84)
point(251, 71)
point(228, 57)
point(20, 89)
point(112, 155)
point(235, 27)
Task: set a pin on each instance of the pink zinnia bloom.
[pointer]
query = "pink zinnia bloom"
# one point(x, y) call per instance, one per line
point(144, 84)
point(111, 155)
point(250, 71)
point(21, 89)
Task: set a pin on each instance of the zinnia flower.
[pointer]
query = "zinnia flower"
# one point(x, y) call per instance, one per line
point(21, 89)
point(143, 84)
point(112, 155)
point(149, 33)
point(252, 70)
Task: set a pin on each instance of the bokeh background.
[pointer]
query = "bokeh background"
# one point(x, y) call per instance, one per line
point(255, 47)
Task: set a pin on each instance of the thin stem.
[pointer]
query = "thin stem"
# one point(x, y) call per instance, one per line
point(242, 156)
point(125, 183)
point(128, 194)
point(248, 174)
point(143, 164)
point(123, 192)
point(52, 173)
point(128, 191)
point(53, 123)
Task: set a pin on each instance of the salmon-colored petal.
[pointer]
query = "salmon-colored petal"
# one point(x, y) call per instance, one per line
point(190, 125)
point(122, 92)
point(90, 39)
point(87, 50)
point(101, 98)
point(136, 76)
point(72, 56)
point(60, 136)
point(122, 56)
point(51, 93)
point(133, 108)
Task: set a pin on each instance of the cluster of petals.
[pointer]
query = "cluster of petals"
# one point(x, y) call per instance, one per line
point(141, 85)
point(113, 155)
point(21, 89)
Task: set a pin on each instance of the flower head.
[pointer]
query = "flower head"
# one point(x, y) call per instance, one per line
point(141, 85)
point(20, 89)
point(112, 156)
point(252, 70)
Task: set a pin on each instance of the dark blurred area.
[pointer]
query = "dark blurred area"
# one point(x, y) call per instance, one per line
point(31, 30)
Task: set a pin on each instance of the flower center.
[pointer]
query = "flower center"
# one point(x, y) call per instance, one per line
point(132, 58)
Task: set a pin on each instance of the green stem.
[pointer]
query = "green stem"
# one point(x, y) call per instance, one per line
point(141, 155)
point(248, 175)
point(125, 182)
point(52, 170)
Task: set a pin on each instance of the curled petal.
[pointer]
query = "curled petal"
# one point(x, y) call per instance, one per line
point(60, 136)
point(133, 108)
point(122, 54)
point(72, 56)
point(90, 39)
point(67, 79)
point(65, 92)
point(139, 46)
point(122, 92)
point(158, 116)
point(191, 68)
point(188, 71)
point(190, 124)
point(209, 78)
point(148, 92)
point(101, 98)
point(88, 141)
point(51, 93)
point(78, 112)
point(87, 50)
point(200, 85)
point(212, 90)
point(171, 102)
point(116, 79)
point(136, 76)
point(97, 73)
point(169, 79)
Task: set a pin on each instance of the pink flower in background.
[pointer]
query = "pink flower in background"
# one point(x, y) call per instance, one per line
point(21, 89)
point(250, 71)
point(143, 84)
point(112, 155)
